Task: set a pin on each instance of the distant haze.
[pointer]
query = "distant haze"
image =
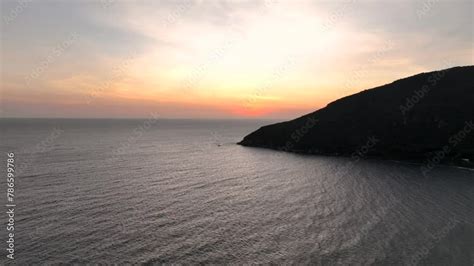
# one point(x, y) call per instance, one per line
point(217, 59)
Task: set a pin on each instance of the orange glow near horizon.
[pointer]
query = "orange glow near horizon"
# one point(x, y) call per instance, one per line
point(275, 59)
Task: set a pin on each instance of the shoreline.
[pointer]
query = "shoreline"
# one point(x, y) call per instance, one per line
point(455, 164)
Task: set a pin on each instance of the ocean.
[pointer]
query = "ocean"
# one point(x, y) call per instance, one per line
point(181, 191)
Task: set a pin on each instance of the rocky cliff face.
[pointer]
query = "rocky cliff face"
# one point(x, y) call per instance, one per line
point(412, 118)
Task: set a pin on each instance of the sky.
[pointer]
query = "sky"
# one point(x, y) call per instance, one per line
point(217, 59)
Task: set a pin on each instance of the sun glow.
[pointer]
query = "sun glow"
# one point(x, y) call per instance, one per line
point(205, 58)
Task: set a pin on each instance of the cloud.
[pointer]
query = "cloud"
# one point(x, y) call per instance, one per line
point(223, 50)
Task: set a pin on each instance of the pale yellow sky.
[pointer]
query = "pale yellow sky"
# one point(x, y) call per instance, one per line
point(217, 59)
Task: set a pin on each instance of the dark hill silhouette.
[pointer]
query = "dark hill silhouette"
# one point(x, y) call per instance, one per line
point(412, 118)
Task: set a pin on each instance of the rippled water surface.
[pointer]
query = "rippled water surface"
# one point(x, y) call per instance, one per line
point(181, 191)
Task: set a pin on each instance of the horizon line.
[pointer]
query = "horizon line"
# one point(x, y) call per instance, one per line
point(142, 118)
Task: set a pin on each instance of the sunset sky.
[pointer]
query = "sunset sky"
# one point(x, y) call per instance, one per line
point(217, 59)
